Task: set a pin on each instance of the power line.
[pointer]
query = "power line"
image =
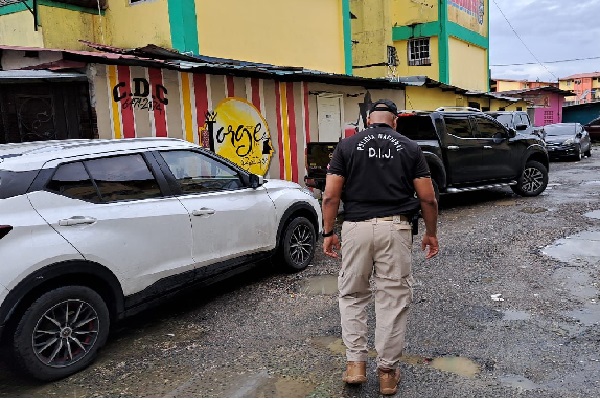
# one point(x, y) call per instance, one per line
point(519, 37)
point(546, 62)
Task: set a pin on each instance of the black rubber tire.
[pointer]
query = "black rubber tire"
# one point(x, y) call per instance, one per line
point(23, 348)
point(533, 180)
point(588, 153)
point(293, 257)
point(579, 154)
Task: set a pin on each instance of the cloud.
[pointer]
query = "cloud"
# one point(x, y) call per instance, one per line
point(551, 29)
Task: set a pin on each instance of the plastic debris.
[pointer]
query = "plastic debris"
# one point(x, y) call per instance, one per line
point(497, 297)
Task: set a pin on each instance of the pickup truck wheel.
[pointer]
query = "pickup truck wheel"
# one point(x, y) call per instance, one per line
point(61, 332)
point(533, 180)
point(298, 244)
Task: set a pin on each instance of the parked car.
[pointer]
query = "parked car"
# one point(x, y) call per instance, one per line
point(567, 140)
point(593, 128)
point(92, 231)
point(517, 120)
point(465, 149)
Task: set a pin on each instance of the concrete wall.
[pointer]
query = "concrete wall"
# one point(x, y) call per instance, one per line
point(468, 65)
point(306, 33)
point(408, 12)
point(143, 102)
point(371, 33)
point(432, 71)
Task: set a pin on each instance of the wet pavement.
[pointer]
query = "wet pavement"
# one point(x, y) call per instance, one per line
point(267, 334)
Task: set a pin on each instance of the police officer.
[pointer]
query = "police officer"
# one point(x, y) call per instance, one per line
point(377, 173)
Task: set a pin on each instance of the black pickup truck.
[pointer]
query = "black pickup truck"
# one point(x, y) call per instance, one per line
point(466, 150)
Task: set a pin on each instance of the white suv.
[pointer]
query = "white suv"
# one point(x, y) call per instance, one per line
point(92, 231)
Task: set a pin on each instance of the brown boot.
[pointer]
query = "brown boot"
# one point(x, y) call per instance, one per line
point(356, 372)
point(388, 380)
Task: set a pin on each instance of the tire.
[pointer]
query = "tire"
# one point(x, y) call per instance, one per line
point(47, 348)
point(579, 154)
point(588, 153)
point(298, 244)
point(533, 180)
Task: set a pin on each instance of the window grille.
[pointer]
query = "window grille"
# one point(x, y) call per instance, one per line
point(418, 52)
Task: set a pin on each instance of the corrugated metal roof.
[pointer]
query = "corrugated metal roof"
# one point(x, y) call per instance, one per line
point(586, 75)
point(17, 76)
point(523, 92)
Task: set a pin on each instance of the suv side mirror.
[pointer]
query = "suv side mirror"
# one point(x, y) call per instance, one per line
point(255, 181)
point(512, 133)
point(521, 127)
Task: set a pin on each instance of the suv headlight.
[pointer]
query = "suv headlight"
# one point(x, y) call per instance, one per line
point(569, 141)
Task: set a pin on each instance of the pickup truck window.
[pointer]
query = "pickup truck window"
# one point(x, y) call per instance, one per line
point(506, 119)
point(489, 129)
point(459, 126)
point(416, 127)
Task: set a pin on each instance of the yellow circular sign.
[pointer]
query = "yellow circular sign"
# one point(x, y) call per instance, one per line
point(242, 135)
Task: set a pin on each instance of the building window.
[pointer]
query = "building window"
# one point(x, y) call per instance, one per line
point(137, 1)
point(548, 117)
point(418, 52)
point(519, 108)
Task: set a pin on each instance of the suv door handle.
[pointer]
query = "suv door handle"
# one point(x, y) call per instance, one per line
point(487, 147)
point(77, 220)
point(203, 211)
point(453, 147)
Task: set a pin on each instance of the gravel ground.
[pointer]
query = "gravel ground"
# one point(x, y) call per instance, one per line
point(267, 334)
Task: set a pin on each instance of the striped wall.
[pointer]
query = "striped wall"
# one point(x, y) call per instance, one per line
point(148, 102)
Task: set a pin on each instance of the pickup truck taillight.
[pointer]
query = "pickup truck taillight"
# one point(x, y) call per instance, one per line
point(4, 229)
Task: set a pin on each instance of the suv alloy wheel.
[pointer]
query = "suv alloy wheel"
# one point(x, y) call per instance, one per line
point(61, 332)
point(298, 244)
point(533, 180)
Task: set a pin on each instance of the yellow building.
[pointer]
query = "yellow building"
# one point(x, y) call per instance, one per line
point(446, 40)
point(314, 34)
point(423, 93)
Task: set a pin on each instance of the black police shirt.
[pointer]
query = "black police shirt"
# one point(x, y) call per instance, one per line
point(379, 166)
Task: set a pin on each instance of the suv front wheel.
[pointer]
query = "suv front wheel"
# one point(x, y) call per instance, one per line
point(61, 332)
point(533, 180)
point(298, 242)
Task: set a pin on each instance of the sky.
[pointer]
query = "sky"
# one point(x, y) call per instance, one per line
point(552, 30)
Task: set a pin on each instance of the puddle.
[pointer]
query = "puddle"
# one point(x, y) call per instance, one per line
point(518, 382)
point(320, 285)
point(263, 385)
point(593, 183)
point(506, 203)
point(456, 365)
point(578, 250)
point(590, 315)
point(593, 214)
point(513, 315)
point(335, 345)
point(533, 210)
point(578, 283)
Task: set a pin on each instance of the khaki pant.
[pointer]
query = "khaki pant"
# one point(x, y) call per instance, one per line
point(381, 248)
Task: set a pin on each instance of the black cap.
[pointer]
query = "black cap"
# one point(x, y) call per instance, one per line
point(384, 105)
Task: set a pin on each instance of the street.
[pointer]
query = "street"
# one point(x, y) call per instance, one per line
point(508, 308)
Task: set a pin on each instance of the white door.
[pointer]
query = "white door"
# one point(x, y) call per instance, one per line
point(329, 110)
point(119, 219)
point(229, 220)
